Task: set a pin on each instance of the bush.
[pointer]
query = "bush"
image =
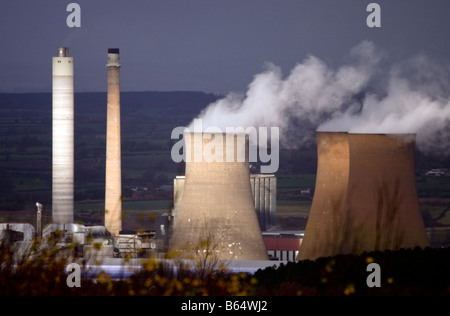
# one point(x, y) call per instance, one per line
point(403, 272)
point(41, 270)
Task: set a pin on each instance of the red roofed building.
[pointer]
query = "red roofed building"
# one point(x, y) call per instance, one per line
point(283, 245)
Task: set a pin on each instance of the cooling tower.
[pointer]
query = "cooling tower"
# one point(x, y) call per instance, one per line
point(365, 198)
point(217, 210)
point(264, 192)
point(113, 182)
point(63, 138)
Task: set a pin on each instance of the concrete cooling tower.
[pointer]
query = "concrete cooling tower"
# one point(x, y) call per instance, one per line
point(113, 181)
point(365, 198)
point(264, 191)
point(63, 138)
point(217, 208)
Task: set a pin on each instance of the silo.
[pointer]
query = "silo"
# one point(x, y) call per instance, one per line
point(217, 212)
point(378, 208)
point(62, 138)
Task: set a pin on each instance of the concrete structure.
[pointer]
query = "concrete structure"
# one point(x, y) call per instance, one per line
point(178, 188)
point(164, 229)
point(113, 188)
point(217, 212)
point(40, 207)
point(264, 193)
point(365, 197)
point(63, 138)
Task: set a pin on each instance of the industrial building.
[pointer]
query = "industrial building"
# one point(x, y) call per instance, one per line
point(264, 192)
point(365, 197)
point(14, 232)
point(283, 245)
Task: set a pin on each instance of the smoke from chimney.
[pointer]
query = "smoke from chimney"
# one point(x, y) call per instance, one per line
point(411, 97)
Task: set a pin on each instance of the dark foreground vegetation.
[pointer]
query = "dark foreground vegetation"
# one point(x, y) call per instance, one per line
point(402, 273)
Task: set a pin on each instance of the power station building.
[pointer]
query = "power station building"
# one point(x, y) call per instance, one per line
point(217, 211)
point(365, 196)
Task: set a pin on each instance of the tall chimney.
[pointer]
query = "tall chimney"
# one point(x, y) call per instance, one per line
point(63, 138)
point(365, 198)
point(113, 189)
point(217, 211)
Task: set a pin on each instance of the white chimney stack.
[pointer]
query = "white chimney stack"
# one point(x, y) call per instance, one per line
point(63, 138)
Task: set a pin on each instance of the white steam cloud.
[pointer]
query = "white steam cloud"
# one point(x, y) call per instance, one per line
point(410, 98)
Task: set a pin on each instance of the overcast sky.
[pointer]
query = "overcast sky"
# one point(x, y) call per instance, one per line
point(205, 45)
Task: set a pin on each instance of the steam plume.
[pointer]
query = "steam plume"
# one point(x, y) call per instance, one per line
point(412, 97)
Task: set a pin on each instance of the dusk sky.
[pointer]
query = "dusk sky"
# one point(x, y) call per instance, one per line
point(206, 45)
